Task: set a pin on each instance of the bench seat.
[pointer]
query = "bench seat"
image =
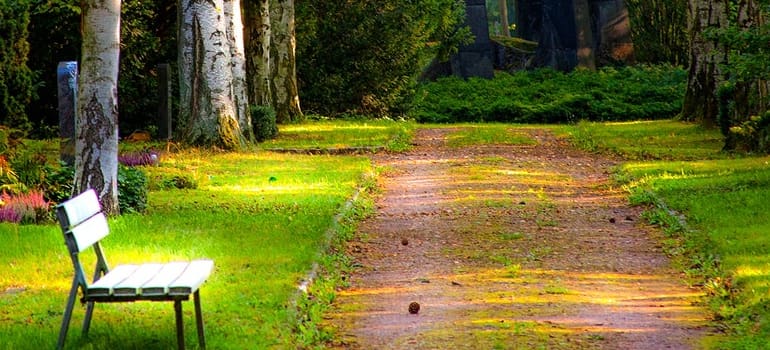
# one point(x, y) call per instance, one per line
point(150, 281)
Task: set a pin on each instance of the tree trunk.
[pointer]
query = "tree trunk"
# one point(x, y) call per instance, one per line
point(285, 91)
point(96, 127)
point(207, 109)
point(701, 101)
point(258, 38)
point(586, 58)
point(237, 52)
point(503, 4)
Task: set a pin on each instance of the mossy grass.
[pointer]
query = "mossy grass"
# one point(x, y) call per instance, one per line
point(723, 241)
point(262, 217)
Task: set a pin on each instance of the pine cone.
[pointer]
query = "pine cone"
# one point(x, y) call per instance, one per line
point(414, 307)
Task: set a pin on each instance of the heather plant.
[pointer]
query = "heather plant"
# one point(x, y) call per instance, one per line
point(139, 158)
point(24, 208)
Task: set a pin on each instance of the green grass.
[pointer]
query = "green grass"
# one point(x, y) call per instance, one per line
point(725, 241)
point(262, 217)
point(487, 134)
point(663, 139)
point(393, 135)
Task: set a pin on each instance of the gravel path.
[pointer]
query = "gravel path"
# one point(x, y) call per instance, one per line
point(508, 247)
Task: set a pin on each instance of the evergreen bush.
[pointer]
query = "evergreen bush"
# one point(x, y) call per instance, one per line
point(16, 79)
point(264, 124)
point(548, 96)
point(132, 190)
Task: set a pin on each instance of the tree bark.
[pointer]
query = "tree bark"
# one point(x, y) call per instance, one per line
point(207, 109)
point(284, 82)
point(701, 101)
point(96, 127)
point(237, 52)
point(586, 57)
point(258, 41)
point(503, 4)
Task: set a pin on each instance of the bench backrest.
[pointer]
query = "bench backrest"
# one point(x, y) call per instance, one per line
point(82, 219)
point(84, 225)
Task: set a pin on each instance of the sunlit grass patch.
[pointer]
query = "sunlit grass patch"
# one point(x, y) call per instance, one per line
point(488, 134)
point(389, 134)
point(662, 139)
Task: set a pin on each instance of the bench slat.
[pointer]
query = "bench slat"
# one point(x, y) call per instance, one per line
point(81, 207)
point(104, 286)
point(193, 276)
point(131, 285)
point(158, 285)
point(90, 231)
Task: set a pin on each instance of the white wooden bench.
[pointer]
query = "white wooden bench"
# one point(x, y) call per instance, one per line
point(84, 225)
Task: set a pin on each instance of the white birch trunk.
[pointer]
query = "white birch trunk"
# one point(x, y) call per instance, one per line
point(237, 52)
point(96, 126)
point(207, 109)
point(284, 77)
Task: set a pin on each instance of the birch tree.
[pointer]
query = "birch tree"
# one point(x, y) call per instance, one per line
point(258, 40)
point(96, 126)
point(284, 65)
point(701, 102)
point(238, 64)
point(207, 108)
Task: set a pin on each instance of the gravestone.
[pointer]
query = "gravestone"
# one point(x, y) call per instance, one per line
point(475, 59)
point(164, 101)
point(67, 81)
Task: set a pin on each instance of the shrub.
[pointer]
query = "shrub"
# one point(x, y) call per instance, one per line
point(263, 119)
point(132, 190)
point(24, 208)
point(16, 78)
point(59, 183)
point(170, 178)
point(548, 96)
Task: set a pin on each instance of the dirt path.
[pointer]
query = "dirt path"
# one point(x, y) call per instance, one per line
point(509, 247)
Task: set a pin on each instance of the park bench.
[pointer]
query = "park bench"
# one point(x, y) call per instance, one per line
point(84, 224)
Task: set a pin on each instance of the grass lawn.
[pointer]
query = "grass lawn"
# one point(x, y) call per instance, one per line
point(262, 217)
point(725, 241)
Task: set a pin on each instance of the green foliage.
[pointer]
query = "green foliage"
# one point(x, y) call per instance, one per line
point(132, 190)
point(59, 182)
point(148, 37)
point(54, 36)
point(16, 78)
point(659, 31)
point(263, 121)
point(548, 96)
point(743, 101)
point(364, 56)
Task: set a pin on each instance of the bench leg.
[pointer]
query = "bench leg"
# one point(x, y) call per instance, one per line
point(199, 319)
point(179, 324)
point(65, 323)
point(87, 318)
